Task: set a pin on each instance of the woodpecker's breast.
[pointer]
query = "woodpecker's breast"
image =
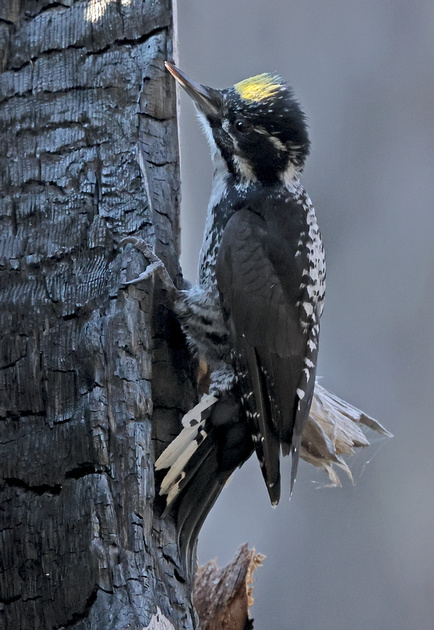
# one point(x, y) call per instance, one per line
point(219, 211)
point(200, 311)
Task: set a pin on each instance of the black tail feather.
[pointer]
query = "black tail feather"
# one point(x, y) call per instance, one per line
point(193, 506)
point(214, 442)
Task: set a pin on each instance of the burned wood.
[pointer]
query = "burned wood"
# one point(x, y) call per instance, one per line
point(83, 92)
point(222, 597)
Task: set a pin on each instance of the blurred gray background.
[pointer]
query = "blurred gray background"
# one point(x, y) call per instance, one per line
point(361, 556)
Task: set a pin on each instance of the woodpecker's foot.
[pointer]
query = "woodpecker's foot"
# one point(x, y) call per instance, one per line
point(156, 266)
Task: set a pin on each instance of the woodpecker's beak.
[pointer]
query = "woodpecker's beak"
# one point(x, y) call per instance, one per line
point(207, 99)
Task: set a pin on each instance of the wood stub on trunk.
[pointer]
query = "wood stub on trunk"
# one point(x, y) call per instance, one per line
point(222, 597)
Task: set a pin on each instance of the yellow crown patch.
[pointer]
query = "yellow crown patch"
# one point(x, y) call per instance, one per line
point(258, 88)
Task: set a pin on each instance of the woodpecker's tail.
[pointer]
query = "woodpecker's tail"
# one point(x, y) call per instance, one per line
point(214, 441)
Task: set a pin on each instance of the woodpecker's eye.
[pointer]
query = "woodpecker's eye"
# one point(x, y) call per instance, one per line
point(242, 125)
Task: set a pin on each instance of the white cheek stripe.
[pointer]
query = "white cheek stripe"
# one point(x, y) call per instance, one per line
point(244, 169)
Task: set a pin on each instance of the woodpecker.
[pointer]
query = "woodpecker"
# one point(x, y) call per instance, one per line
point(254, 315)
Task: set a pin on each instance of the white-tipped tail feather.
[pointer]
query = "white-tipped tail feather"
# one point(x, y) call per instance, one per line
point(179, 452)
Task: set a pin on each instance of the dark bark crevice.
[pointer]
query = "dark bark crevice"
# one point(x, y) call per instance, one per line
point(40, 489)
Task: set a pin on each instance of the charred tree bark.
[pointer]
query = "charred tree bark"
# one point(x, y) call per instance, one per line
point(88, 155)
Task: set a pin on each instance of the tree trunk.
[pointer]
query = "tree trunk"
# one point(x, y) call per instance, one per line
point(89, 155)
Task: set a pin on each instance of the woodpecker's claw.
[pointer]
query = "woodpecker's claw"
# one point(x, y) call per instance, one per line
point(156, 265)
point(139, 244)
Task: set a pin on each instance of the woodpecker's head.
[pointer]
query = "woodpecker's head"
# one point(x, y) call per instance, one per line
point(256, 127)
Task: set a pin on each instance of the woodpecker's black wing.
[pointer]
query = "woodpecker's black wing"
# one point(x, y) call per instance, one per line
point(263, 273)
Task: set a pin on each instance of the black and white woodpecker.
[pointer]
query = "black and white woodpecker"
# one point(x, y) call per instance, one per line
point(255, 314)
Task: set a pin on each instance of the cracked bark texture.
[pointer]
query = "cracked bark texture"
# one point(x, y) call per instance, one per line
point(84, 362)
